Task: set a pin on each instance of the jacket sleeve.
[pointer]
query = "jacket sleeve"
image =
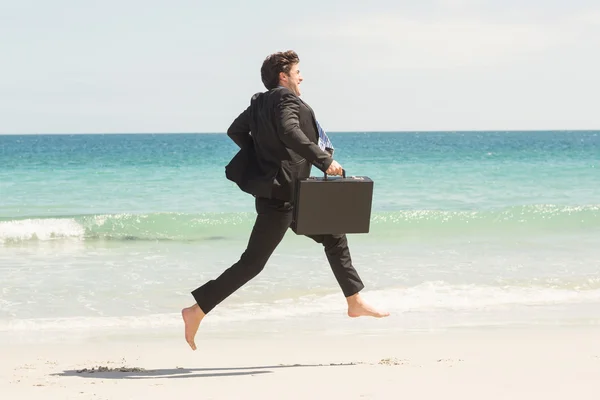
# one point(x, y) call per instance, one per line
point(239, 131)
point(288, 130)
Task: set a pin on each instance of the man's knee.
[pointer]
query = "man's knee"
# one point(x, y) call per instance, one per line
point(335, 242)
point(253, 262)
point(331, 242)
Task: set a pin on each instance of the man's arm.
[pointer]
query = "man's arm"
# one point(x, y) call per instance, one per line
point(288, 129)
point(239, 131)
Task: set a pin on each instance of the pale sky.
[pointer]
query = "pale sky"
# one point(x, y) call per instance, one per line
point(76, 66)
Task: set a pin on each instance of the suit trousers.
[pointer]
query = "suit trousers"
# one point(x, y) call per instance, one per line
point(273, 219)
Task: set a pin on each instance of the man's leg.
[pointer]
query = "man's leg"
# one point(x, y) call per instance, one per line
point(338, 255)
point(273, 219)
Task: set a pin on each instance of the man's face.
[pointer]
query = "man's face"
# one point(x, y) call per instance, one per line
point(292, 81)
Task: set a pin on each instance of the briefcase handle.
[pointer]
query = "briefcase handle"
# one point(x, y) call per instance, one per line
point(343, 174)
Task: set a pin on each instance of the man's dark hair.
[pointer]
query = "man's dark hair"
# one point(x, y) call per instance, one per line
point(276, 63)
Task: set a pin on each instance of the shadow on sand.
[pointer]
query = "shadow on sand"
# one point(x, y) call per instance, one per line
point(180, 372)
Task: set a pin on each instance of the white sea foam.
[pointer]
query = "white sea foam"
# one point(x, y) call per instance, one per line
point(41, 229)
point(435, 300)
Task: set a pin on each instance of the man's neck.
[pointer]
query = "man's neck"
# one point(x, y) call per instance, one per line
point(281, 86)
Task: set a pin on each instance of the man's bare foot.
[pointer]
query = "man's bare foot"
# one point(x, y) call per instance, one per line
point(357, 307)
point(192, 316)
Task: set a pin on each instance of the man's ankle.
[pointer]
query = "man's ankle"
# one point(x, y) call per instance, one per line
point(353, 299)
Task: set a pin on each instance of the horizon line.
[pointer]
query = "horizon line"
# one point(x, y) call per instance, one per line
point(339, 131)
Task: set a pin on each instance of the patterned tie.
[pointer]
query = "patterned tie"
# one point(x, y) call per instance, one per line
point(324, 142)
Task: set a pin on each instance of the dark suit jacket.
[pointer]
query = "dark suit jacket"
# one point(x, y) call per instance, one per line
point(278, 139)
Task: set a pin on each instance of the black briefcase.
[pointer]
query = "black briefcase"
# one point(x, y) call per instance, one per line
point(332, 205)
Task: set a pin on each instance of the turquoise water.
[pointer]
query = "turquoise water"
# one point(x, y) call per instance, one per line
point(91, 174)
point(115, 230)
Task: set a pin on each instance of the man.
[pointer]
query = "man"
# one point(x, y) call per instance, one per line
point(278, 139)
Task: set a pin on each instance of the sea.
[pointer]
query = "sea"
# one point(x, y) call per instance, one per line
point(107, 234)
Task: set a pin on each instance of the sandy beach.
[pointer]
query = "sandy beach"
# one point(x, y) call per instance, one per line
point(544, 363)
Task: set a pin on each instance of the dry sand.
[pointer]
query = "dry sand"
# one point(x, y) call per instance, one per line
point(545, 363)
